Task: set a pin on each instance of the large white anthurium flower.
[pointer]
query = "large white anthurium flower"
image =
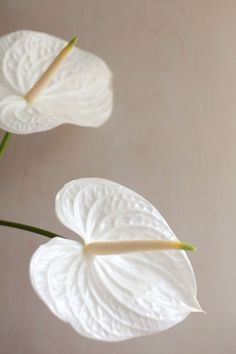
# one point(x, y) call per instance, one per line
point(102, 294)
point(77, 92)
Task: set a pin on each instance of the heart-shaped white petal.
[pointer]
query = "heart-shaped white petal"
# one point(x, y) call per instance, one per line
point(114, 297)
point(80, 93)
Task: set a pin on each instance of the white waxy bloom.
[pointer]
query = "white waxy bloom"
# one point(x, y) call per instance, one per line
point(79, 93)
point(112, 297)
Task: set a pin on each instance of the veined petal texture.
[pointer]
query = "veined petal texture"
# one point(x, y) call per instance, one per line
point(80, 93)
point(114, 297)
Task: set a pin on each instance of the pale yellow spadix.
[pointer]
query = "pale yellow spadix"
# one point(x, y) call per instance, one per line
point(39, 92)
point(48, 75)
point(127, 294)
point(120, 247)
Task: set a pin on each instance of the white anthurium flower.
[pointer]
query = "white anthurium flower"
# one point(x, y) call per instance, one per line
point(77, 91)
point(104, 289)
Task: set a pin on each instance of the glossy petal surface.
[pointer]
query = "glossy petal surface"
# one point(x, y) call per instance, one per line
point(112, 298)
point(80, 93)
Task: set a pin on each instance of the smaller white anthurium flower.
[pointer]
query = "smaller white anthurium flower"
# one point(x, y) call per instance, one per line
point(40, 90)
point(131, 276)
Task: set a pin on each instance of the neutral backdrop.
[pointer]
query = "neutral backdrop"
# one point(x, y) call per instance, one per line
point(171, 137)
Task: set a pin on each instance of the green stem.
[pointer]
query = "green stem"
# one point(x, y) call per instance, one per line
point(29, 228)
point(4, 143)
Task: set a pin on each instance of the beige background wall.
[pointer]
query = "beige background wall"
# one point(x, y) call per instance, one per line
point(172, 138)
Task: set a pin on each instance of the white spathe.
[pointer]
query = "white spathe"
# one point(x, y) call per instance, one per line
point(80, 92)
point(116, 297)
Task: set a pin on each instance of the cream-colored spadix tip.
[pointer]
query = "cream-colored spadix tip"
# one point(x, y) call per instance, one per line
point(73, 42)
point(187, 247)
